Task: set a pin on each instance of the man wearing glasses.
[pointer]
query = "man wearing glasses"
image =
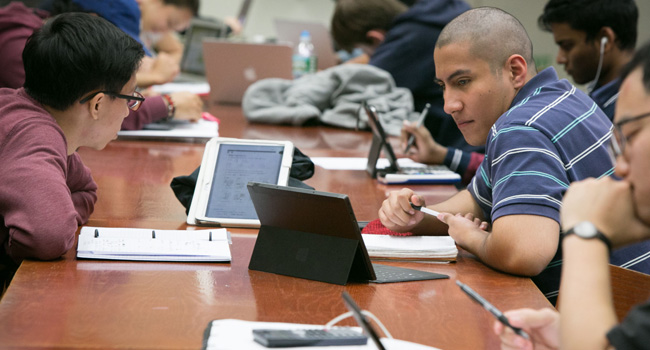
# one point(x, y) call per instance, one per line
point(596, 216)
point(79, 87)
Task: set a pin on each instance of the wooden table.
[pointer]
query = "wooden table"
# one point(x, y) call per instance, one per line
point(72, 303)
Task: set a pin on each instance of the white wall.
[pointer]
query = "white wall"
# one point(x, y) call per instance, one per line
point(262, 13)
point(544, 48)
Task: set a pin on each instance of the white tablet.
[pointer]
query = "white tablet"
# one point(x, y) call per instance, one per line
point(221, 197)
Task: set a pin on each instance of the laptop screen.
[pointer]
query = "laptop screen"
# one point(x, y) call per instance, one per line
point(379, 141)
point(193, 52)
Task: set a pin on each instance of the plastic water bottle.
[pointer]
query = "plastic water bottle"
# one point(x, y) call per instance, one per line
point(304, 58)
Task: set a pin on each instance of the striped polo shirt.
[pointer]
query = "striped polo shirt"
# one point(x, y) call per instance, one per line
point(553, 134)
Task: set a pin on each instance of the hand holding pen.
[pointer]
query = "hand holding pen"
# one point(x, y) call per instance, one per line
point(420, 121)
point(425, 210)
point(493, 310)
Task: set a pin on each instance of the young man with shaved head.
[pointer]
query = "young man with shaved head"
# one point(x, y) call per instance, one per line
point(540, 134)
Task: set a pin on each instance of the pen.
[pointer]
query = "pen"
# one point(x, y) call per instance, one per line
point(425, 210)
point(493, 310)
point(421, 118)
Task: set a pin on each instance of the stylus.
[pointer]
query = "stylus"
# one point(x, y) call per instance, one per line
point(493, 310)
point(421, 118)
point(425, 210)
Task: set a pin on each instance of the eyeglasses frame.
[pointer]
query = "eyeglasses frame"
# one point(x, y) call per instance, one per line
point(135, 97)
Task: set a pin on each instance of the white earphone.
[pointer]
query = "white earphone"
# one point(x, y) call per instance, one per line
point(593, 83)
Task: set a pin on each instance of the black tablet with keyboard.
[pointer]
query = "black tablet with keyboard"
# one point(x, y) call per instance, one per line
point(315, 235)
point(395, 173)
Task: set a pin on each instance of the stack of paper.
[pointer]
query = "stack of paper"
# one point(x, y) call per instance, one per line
point(153, 245)
point(410, 247)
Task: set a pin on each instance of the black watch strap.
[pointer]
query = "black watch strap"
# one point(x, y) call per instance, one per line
point(599, 235)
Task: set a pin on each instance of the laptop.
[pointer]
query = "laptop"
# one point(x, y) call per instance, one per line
point(394, 173)
point(192, 66)
point(220, 196)
point(289, 31)
point(231, 67)
point(315, 235)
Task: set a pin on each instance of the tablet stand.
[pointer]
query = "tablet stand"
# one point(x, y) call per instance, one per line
point(378, 143)
point(307, 255)
point(308, 234)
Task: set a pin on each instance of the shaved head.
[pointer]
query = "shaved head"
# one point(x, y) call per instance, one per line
point(493, 35)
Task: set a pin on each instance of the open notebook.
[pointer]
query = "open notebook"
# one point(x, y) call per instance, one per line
point(437, 248)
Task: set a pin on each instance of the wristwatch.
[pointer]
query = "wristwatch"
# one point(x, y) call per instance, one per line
point(587, 230)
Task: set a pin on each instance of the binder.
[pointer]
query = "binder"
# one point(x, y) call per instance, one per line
point(153, 245)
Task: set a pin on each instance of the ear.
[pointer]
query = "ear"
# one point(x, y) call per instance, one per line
point(517, 68)
point(606, 33)
point(96, 104)
point(376, 36)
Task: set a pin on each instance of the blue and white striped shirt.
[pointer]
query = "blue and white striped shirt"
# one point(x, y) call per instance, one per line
point(553, 134)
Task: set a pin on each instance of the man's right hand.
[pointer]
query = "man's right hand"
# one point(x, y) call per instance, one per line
point(543, 326)
point(425, 149)
point(609, 205)
point(396, 212)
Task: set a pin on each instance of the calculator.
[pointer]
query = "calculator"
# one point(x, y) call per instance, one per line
point(279, 338)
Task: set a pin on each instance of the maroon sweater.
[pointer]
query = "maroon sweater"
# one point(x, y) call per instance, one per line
point(17, 23)
point(44, 193)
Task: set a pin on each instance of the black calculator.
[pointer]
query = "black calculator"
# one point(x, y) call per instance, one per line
point(280, 338)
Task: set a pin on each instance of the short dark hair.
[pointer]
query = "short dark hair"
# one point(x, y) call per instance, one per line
point(353, 19)
point(74, 54)
point(641, 60)
point(192, 5)
point(484, 29)
point(590, 16)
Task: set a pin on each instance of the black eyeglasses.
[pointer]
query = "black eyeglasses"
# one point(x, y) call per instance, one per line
point(133, 101)
point(618, 142)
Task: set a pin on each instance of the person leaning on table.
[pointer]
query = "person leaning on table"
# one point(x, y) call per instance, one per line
point(596, 216)
point(540, 134)
point(79, 87)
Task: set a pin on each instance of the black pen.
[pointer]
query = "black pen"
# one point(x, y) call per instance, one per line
point(493, 310)
point(425, 210)
point(419, 123)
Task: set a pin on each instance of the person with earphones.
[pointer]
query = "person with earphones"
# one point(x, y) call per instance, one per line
point(596, 215)
point(596, 38)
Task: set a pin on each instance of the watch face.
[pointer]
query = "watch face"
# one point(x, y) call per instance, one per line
point(585, 229)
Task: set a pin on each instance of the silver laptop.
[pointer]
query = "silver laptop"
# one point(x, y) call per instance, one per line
point(289, 31)
point(231, 67)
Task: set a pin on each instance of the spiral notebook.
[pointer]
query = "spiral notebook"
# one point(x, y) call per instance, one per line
point(115, 243)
